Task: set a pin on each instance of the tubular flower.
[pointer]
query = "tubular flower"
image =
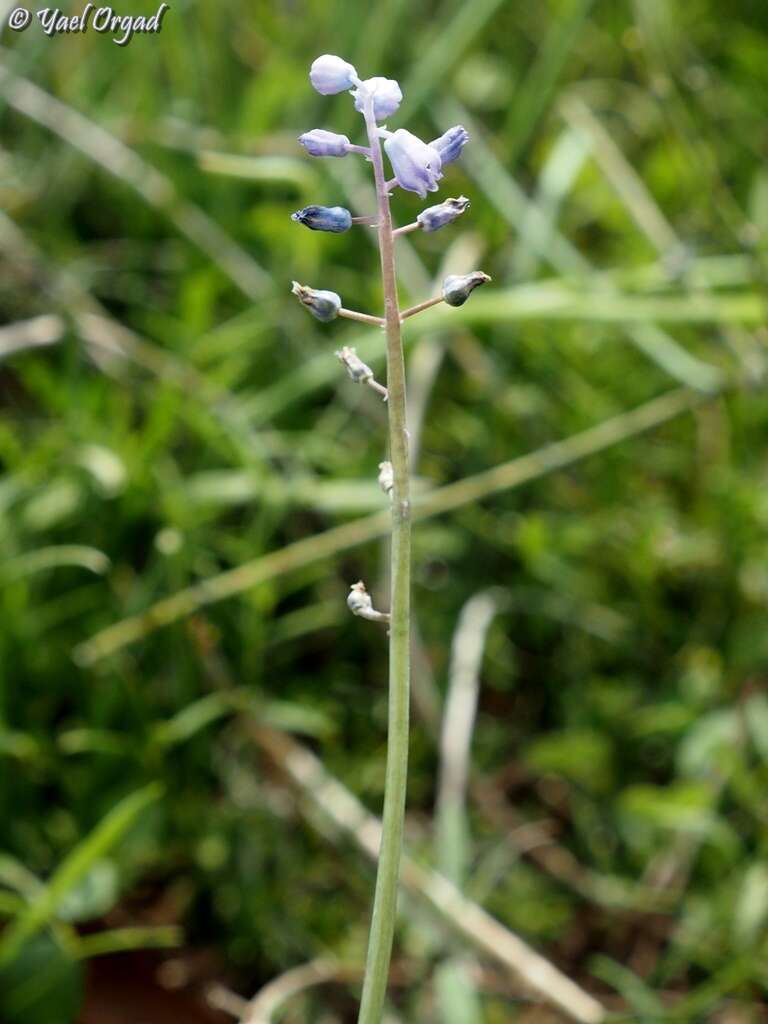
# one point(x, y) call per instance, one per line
point(416, 165)
point(324, 218)
point(436, 217)
point(457, 289)
point(321, 143)
point(330, 75)
point(387, 96)
point(451, 143)
point(323, 305)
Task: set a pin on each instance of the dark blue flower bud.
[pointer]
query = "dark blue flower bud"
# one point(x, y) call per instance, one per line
point(330, 75)
point(324, 218)
point(323, 305)
point(436, 217)
point(321, 143)
point(457, 289)
point(451, 143)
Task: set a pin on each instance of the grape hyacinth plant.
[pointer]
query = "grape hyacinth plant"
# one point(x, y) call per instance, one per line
point(418, 167)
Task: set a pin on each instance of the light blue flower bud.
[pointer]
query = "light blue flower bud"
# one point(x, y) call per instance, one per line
point(324, 218)
point(323, 305)
point(457, 289)
point(436, 217)
point(416, 165)
point(330, 75)
point(451, 143)
point(321, 143)
point(387, 96)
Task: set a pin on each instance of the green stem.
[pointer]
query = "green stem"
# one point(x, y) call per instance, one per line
point(385, 898)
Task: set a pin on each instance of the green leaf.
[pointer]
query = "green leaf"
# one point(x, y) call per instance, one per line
point(41, 986)
point(584, 757)
point(455, 993)
point(118, 940)
point(682, 806)
point(72, 870)
point(714, 737)
point(196, 716)
point(751, 910)
point(298, 718)
point(657, 719)
point(639, 997)
point(53, 557)
point(94, 894)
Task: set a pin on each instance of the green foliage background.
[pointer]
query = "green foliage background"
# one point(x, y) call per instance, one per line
point(620, 201)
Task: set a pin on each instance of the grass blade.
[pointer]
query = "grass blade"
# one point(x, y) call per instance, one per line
point(43, 907)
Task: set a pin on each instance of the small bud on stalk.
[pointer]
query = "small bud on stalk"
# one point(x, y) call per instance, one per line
point(323, 305)
point(330, 74)
point(359, 371)
point(386, 477)
point(319, 142)
point(387, 96)
point(457, 289)
point(324, 218)
point(436, 217)
point(360, 603)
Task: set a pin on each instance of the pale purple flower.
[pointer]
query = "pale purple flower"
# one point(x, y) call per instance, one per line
point(319, 142)
point(416, 165)
point(330, 75)
point(324, 218)
point(451, 143)
point(436, 217)
point(387, 96)
point(457, 289)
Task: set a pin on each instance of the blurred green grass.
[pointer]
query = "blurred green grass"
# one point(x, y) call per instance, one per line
point(185, 417)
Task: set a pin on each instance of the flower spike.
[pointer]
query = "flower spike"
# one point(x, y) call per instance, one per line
point(417, 166)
